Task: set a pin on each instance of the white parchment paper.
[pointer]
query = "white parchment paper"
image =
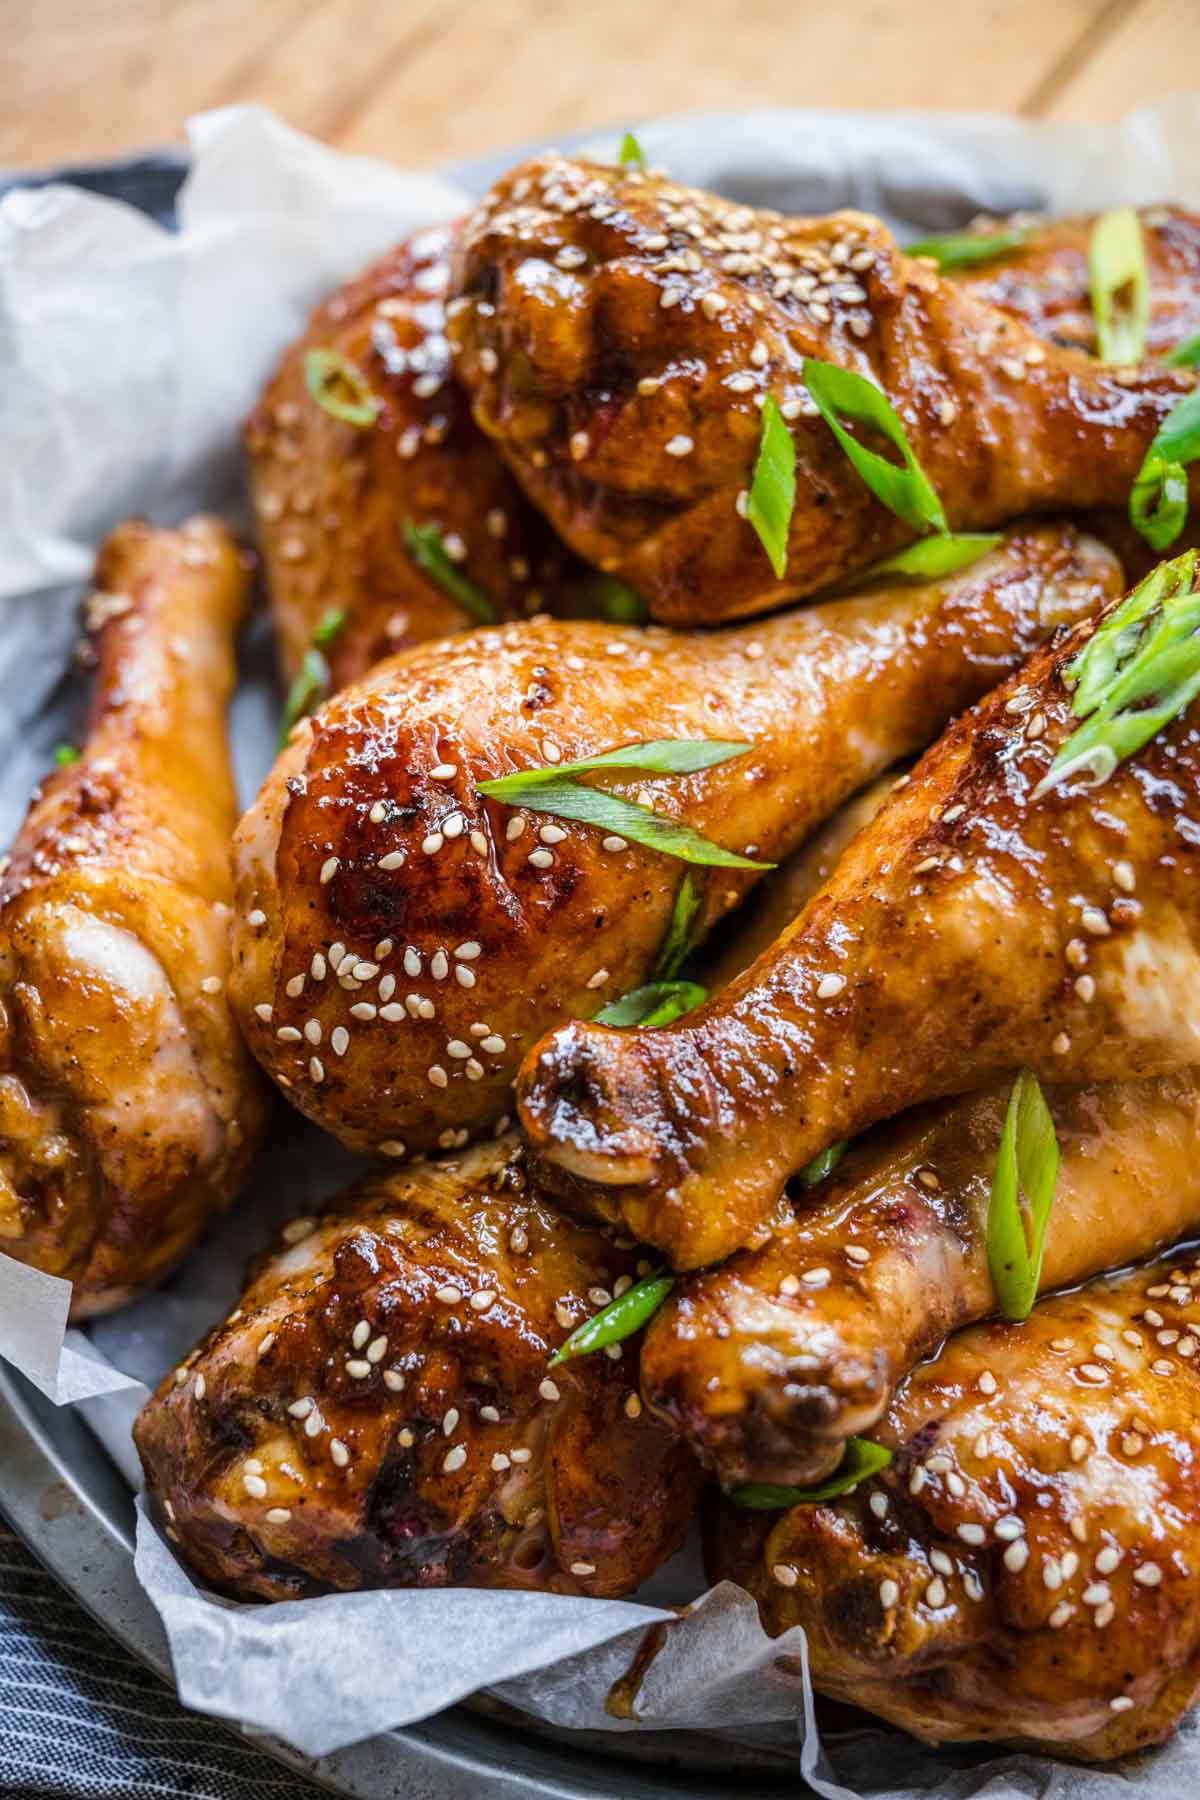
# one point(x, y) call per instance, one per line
point(128, 357)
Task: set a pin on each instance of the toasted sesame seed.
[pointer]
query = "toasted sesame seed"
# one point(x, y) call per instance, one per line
point(393, 1379)
point(1120, 1703)
point(583, 1568)
point(1094, 921)
point(393, 860)
point(633, 1406)
point(816, 1278)
point(598, 979)
point(445, 771)
point(1016, 1556)
point(889, 1594)
point(264, 1012)
point(1008, 1529)
point(378, 813)
point(316, 1069)
point(1104, 1615)
point(1079, 1448)
point(482, 1299)
point(855, 1253)
point(1097, 1594)
point(298, 1229)
point(1062, 1612)
point(541, 859)
point(287, 1034)
point(829, 985)
point(500, 1462)
point(680, 445)
point(1107, 1560)
point(437, 1076)
point(339, 1452)
point(439, 965)
point(433, 843)
point(785, 1575)
point(514, 828)
point(1124, 877)
point(278, 1515)
point(1148, 1574)
point(256, 919)
point(255, 1486)
point(1061, 1044)
point(377, 1349)
point(549, 1390)
point(521, 1456)
point(614, 843)
point(972, 1534)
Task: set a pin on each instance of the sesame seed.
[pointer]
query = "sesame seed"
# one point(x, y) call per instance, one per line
point(583, 1568)
point(490, 1413)
point(314, 1423)
point(1079, 1448)
point(1094, 921)
point(935, 1593)
point(433, 843)
point(393, 1012)
point(312, 1031)
point(378, 813)
point(1061, 1044)
point(316, 1069)
point(785, 1575)
point(454, 826)
point(482, 1299)
point(829, 985)
point(377, 1349)
point(393, 1379)
point(450, 1421)
point(1120, 1703)
point(255, 1486)
point(816, 1278)
point(889, 1594)
point(598, 979)
point(514, 828)
point(439, 965)
point(1104, 1615)
point(256, 919)
point(855, 1253)
point(1016, 1556)
point(357, 1369)
point(633, 1406)
point(264, 1012)
point(1148, 1575)
point(1098, 1594)
point(449, 1294)
point(1062, 1612)
point(549, 1390)
point(1107, 1560)
point(1008, 1529)
point(405, 1439)
point(522, 1456)
point(393, 860)
point(972, 1534)
point(212, 984)
point(298, 1229)
point(287, 1034)
point(444, 772)
point(278, 1515)
point(465, 977)
point(329, 869)
point(500, 1462)
point(1092, 1372)
point(541, 859)
point(614, 843)
point(680, 445)
point(941, 1562)
point(495, 1046)
point(1124, 877)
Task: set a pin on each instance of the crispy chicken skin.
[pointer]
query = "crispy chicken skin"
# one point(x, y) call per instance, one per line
point(331, 498)
point(1026, 1568)
point(970, 928)
point(1046, 282)
point(618, 332)
point(129, 1109)
point(401, 941)
point(377, 1411)
point(770, 1362)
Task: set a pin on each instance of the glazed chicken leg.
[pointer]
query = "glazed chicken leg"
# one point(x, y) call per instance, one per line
point(971, 928)
point(402, 941)
point(618, 334)
point(770, 1362)
point(1026, 1567)
point(129, 1109)
point(333, 497)
point(377, 1410)
point(1046, 281)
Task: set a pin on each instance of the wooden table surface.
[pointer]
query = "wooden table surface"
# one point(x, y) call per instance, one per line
point(427, 81)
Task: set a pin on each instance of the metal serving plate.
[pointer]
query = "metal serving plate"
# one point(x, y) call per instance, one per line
point(63, 1496)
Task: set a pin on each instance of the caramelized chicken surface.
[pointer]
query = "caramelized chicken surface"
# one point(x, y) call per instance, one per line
point(129, 1109)
point(377, 1411)
point(332, 498)
point(618, 334)
point(1046, 281)
point(1026, 1567)
point(969, 929)
point(402, 941)
point(770, 1362)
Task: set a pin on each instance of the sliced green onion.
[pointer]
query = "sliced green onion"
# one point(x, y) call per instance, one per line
point(1138, 671)
point(1158, 504)
point(1027, 1164)
point(658, 756)
point(619, 1319)
point(823, 1165)
point(65, 755)
point(428, 550)
point(773, 489)
point(1120, 286)
point(658, 1003)
point(631, 152)
point(908, 492)
point(550, 790)
point(1185, 355)
point(307, 691)
point(963, 249)
point(861, 1460)
point(617, 601)
point(329, 627)
point(340, 386)
point(679, 941)
point(932, 557)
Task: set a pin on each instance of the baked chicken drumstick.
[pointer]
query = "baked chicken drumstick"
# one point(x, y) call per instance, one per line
point(618, 334)
point(977, 924)
point(1026, 1567)
point(378, 439)
point(769, 1363)
point(129, 1108)
point(377, 1411)
point(402, 940)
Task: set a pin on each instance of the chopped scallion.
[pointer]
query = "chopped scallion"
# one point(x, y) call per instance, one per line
point(1027, 1164)
point(341, 388)
point(963, 249)
point(773, 488)
point(1120, 286)
point(1158, 504)
point(844, 394)
point(658, 1003)
point(631, 153)
point(427, 547)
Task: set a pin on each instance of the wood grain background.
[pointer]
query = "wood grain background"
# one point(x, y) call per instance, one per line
point(428, 81)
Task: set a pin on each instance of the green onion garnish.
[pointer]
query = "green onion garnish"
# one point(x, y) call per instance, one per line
point(428, 550)
point(1027, 1164)
point(340, 386)
point(1138, 671)
point(631, 152)
point(65, 755)
point(773, 489)
point(617, 601)
point(1158, 504)
point(307, 691)
point(658, 1003)
point(861, 1460)
point(824, 1164)
point(962, 249)
point(550, 790)
point(1120, 286)
point(932, 557)
point(678, 943)
point(329, 627)
point(908, 492)
point(1185, 355)
point(619, 1319)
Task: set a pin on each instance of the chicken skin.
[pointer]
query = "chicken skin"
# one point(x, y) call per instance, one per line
point(377, 1411)
point(974, 926)
point(332, 497)
point(1046, 281)
point(401, 941)
point(770, 1362)
point(618, 334)
point(1026, 1567)
point(129, 1108)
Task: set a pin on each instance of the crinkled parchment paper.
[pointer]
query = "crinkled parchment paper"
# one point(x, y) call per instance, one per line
point(128, 358)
